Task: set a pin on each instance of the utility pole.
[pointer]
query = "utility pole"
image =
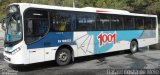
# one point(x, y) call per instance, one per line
point(73, 3)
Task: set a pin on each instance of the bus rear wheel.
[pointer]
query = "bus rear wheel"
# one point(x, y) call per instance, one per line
point(134, 47)
point(63, 56)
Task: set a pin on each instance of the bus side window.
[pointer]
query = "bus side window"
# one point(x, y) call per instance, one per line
point(104, 22)
point(129, 23)
point(61, 26)
point(139, 23)
point(41, 28)
point(117, 22)
point(85, 22)
point(153, 26)
point(147, 23)
point(61, 21)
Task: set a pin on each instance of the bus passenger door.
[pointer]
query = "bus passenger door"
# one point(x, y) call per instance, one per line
point(36, 55)
point(36, 28)
point(36, 50)
point(48, 51)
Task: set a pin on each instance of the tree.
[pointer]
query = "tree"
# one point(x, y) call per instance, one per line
point(136, 6)
point(86, 3)
point(154, 7)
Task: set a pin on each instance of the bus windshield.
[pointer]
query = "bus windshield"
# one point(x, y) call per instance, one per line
point(13, 32)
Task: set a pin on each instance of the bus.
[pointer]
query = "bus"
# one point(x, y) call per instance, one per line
point(37, 33)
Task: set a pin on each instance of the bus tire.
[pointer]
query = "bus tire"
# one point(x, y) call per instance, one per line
point(133, 46)
point(63, 56)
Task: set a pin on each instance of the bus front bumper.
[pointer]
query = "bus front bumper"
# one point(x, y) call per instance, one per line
point(12, 59)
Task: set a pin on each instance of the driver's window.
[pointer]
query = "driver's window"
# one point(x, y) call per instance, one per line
point(29, 27)
point(36, 25)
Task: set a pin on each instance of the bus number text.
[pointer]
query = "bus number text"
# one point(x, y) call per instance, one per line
point(106, 38)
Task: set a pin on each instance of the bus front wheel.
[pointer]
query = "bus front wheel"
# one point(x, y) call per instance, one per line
point(63, 56)
point(134, 47)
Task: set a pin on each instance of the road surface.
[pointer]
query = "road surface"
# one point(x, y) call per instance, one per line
point(90, 65)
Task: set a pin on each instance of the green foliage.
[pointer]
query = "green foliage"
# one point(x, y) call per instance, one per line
point(137, 6)
point(154, 8)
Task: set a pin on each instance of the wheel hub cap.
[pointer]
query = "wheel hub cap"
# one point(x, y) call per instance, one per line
point(63, 56)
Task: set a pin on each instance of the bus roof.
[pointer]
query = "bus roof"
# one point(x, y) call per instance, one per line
point(85, 9)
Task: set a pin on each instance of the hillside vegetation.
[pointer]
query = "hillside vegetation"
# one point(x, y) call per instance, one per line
point(137, 6)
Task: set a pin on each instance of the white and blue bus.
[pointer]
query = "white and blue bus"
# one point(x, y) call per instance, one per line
point(38, 33)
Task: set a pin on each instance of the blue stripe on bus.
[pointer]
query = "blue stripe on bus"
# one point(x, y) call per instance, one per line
point(53, 39)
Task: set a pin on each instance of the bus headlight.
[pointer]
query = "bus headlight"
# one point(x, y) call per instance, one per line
point(16, 50)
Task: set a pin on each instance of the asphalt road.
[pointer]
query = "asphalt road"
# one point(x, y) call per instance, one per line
point(90, 65)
